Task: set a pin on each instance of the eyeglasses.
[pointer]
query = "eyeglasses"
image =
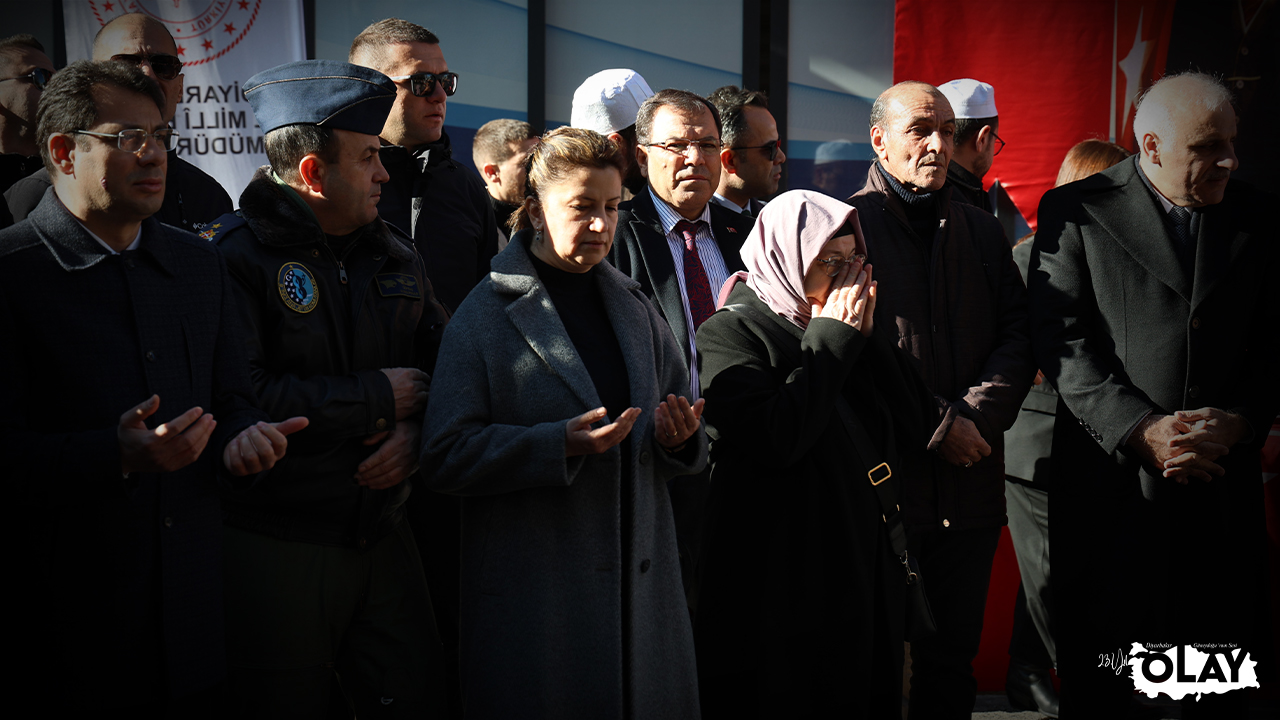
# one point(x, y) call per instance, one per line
point(682, 147)
point(38, 77)
point(771, 148)
point(998, 147)
point(834, 264)
point(132, 141)
point(166, 67)
point(423, 84)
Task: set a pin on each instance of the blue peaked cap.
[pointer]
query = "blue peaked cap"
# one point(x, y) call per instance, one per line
point(327, 93)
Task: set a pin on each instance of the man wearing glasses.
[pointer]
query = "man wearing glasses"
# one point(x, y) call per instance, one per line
point(976, 141)
point(191, 197)
point(680, 247)
point(134, 406)
point(752, 156)
point(950, 290)
point(24, 70)
point(431, 196)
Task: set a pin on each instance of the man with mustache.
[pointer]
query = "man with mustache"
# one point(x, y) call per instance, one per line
point(948, 284)
point(680, 247)
point(192, 197)
point(1153, 313)
point(130, 405)
point(324, 582)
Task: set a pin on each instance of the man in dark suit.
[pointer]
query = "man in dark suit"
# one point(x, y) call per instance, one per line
point(192, 197)
point(752, 156)
point(680, 247)
point(1151, 316)
point(116, 323)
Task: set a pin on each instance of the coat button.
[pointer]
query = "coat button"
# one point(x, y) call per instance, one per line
point(168, 522)
point(644, 565)
point(315, 253)
point(1194, 391)
point(946, 523)
point(1195, 323)
point(645, 457)
point(381, 424)
point(151, 357)
point(362, 543)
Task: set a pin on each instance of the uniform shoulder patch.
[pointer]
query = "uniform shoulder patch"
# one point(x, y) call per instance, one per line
point(218, 229)
point(297, 287)
point(398, 285)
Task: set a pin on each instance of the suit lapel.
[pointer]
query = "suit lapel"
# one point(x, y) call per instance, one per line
point(1217, 247)
point(729, 230)
point(652, 241)
point(1137, 225)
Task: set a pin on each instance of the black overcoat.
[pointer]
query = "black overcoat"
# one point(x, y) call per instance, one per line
point(1122, 329)
point(118, 582)
point(801, 611)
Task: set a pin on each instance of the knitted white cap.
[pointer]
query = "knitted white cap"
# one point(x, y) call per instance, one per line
point(609, 100)
point(970, 98)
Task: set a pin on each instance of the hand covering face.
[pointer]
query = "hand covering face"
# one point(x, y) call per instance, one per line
point(790, 232)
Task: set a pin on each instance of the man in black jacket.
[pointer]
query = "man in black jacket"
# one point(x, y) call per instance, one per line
point(115, 323)
point(433, 197)
point(191, 196)
point(323, 575)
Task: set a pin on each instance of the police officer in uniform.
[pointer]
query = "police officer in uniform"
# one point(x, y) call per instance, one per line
point(324, 581)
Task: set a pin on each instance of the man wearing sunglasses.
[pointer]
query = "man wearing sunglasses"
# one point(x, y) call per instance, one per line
point(191, 197)
point(441, 202)
point(752, 156)
point(134, 405)
point(24, 70)
point(976, 141)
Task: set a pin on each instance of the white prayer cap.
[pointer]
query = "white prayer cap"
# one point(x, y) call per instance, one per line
point(970, 98)
point(609, 101)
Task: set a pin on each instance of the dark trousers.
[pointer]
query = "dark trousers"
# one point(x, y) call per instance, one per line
point(301, 617)
point(956, 566)
point(1032, 641)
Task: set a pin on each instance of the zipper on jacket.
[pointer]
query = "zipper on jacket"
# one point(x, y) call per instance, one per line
point(342, 272)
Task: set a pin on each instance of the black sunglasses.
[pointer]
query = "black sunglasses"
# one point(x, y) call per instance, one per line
point(423, 84)
point(38, 77)
point(771, 148)
point(166, 67)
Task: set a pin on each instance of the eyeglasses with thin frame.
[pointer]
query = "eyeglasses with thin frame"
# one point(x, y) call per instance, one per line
point(133, 140)
point(771, 148)
point(834, 264)
point(423, 84)
point(38, 77)
point(998, 147)
point(682, 147)
point(166, 67)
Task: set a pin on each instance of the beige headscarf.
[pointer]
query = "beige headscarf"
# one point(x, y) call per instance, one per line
point(785, 241)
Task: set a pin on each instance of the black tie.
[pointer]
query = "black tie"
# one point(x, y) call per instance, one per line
point(1181, 218)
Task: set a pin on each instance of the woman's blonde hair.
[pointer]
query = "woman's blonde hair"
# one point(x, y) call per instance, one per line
point(557, 154)
point(1089, 157)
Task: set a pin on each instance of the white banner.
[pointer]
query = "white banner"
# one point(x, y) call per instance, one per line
point(221, 43)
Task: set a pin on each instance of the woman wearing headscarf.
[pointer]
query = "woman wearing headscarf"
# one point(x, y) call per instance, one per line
point(554, 412)
point(801, 610)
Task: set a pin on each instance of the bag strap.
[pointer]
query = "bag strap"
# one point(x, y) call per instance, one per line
point(881, 470)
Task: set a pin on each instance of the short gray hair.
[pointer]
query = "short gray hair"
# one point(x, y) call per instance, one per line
point(1157, 105)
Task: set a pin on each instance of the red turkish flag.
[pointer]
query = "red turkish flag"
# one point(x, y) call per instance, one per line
point(1062, 71)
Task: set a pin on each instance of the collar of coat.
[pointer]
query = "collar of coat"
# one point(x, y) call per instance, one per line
point(71, 244)
point(878, 187)
point(512, 272)
point(278, 221)
point(430, 155)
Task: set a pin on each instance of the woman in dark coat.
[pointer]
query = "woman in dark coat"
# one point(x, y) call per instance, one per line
point(802, 605)
point(554, 413)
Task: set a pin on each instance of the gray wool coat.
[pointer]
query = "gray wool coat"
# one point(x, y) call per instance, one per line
point(543, 627)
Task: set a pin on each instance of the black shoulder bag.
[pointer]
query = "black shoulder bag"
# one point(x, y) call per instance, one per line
point(920, 622)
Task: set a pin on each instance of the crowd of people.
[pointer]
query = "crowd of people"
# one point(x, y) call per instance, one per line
point(610, 428)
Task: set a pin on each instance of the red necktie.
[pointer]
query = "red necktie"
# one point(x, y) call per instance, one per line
point(696, 285)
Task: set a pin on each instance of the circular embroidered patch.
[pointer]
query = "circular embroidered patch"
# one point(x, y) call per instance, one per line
point(297, 287)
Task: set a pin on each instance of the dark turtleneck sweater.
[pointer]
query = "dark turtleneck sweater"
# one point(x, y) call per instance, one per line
point(581, 310)
point(920, 208)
